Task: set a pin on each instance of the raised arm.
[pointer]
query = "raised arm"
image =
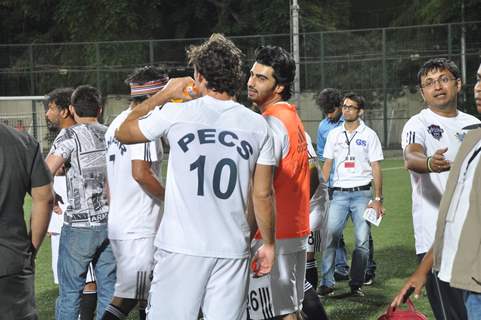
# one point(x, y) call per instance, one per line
point(129, 131)
point(415, 159)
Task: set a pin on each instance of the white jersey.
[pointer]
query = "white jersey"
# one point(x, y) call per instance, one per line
point(319, 199)
point(432, 132)
point(56, 220)
point(352, 154)
point(214, 147)
point(133, 213)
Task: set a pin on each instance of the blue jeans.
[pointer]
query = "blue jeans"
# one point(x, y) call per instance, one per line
point(341, 257)
point(78, 247)
point(472, 301)
point(343, 205)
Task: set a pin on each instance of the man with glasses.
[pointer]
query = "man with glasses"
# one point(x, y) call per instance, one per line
point(353, 152)
point(430, 140)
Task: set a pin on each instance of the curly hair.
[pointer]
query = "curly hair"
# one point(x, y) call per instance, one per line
point(329, 99)
point(438, 64)
point(219, 62)
point(283, 64)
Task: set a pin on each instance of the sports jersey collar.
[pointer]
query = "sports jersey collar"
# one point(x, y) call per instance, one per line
point(280, 104)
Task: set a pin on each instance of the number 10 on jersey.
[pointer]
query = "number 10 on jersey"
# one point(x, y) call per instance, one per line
point(223, 164)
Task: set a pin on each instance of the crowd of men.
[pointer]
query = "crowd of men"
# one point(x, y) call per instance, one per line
point(234, 230)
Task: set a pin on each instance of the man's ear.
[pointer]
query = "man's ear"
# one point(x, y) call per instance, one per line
point(71, 109)
point(361, 112)
point(279, 88)
point(65, 113)
point(459, 85)
point(422, 94)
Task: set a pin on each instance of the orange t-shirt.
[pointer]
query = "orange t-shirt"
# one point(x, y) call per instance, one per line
point(291, 179)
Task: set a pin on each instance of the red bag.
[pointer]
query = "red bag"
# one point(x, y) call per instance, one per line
point(397, 314)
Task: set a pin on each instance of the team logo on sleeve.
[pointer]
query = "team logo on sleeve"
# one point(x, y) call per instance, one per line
point(460, 136)
point(436, 131)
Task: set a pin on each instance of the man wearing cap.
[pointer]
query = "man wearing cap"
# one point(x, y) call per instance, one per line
point(353, 152)
point(136, 196)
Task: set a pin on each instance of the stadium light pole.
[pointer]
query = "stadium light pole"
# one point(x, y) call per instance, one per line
point(295, 51)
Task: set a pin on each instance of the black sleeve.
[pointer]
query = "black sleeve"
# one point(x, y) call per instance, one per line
point(39, 173)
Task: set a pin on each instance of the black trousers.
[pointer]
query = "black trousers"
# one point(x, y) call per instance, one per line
point(17, 295)
point(446, 302)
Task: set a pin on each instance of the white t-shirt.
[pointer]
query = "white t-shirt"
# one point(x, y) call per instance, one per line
point(319, 199)
point(56, 220)
point(352, 154)
point(432, 132)
point(214, 148)
point(133, 213)
point(457, 213)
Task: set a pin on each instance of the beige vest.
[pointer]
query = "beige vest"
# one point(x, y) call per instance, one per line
point(466, 273)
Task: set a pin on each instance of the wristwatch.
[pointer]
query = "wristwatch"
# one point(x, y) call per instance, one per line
point(380, 199)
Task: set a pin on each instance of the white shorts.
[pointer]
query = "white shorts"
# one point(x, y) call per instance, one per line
point(318, 223)
point(282, 291)
point(184, 284)
point(135, 263)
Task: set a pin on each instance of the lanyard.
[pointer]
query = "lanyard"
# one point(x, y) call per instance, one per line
point(348, 142)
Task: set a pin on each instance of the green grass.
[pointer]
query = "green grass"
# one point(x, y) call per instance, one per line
point(394, 255)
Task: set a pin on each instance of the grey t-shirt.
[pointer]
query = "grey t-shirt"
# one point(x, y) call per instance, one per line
point(83, 148)
point(21, 168)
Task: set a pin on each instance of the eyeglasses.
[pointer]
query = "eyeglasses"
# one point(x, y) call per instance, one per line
point(443, 80)
point(350, 108)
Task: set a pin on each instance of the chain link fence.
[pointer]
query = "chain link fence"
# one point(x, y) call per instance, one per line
point(380, 64)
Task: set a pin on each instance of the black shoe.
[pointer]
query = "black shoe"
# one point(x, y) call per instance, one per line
point(340, 276)
point(369, 279)
point(357, 292)
point(325, 291)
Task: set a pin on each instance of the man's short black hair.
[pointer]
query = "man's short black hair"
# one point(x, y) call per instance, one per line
point(283, 64)
point(438, 64)
point(61, 97)
point(361, 102)
point(87, 101)
point(219, 61)
point(329, 99)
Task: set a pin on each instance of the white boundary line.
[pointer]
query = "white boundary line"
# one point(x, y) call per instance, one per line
point(392, 168)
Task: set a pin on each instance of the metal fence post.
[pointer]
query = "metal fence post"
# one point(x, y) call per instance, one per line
point(97, 65)
point(450, 44)
point(32, 91)
point(151, 52)
point(322, 61)
point(384, 87)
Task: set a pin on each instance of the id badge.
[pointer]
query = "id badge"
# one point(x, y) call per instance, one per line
point(350, 162)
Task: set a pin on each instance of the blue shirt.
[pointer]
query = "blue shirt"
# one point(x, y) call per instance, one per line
point(325, 126)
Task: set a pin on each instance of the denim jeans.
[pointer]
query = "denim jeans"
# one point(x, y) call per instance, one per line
point(472, 301)
point(78, 247)
point(343, 205)
point(341, 265)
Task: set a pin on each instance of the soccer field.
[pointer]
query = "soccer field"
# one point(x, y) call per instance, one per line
point(394, 255)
